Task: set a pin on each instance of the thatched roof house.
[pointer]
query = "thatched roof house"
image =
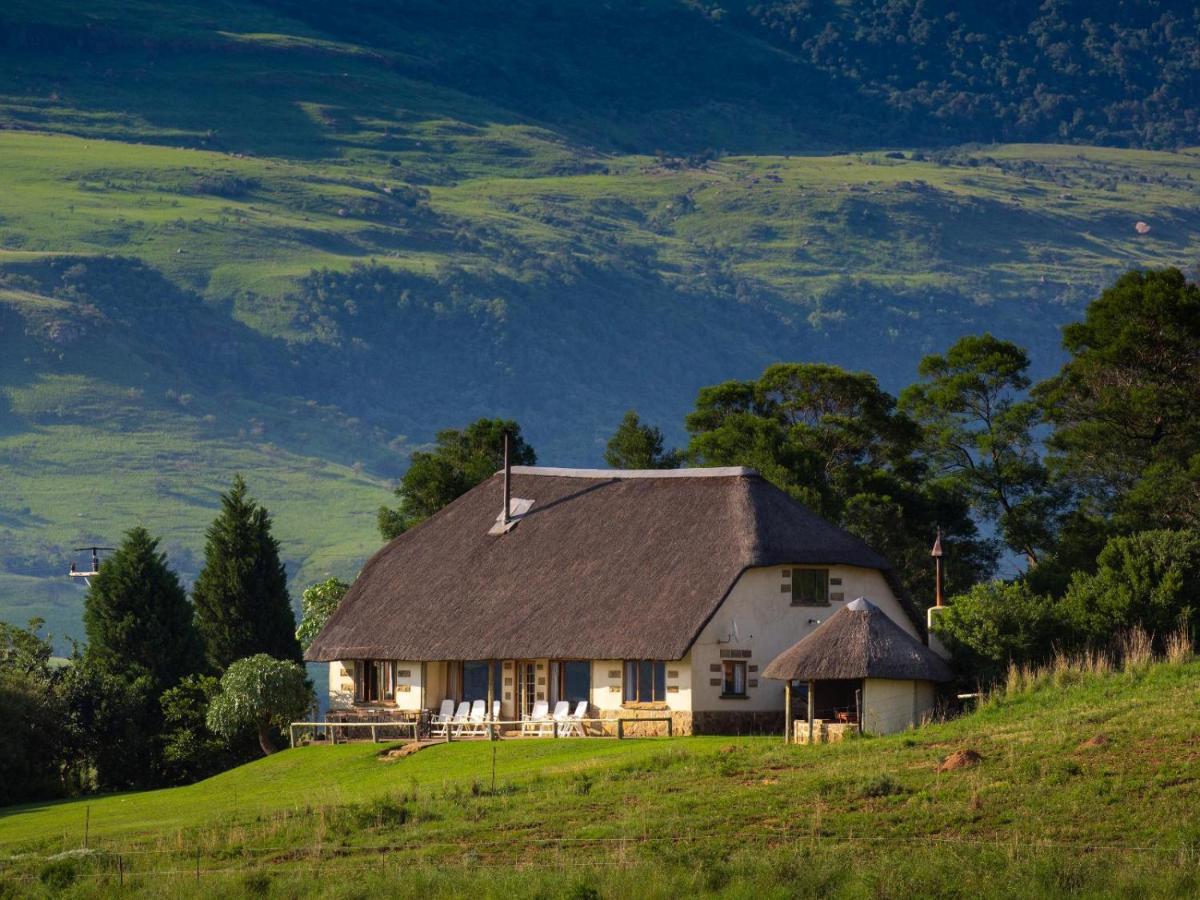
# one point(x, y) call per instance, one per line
point(658, 588)
point(860, 667)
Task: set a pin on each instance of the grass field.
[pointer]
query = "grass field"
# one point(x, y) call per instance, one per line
point(1087, 787)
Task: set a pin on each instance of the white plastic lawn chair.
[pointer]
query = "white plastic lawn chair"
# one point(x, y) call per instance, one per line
point(574, 724)
point(441, 719)
point(460, 718)
point(562, 715)
point(532, 723)
point(476, 719)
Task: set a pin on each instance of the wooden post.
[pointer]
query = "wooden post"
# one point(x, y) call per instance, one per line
point(787, 711)
point(670, 724)
point(620, 729)
point(491, 688)
point(812, 691)
point(374, 733)
point(292, 736)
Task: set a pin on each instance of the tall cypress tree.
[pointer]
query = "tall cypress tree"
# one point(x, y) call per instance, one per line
point(142, 641)
point(241, 597)
point(138, 619)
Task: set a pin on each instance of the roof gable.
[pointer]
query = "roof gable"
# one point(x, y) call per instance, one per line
point(602, 565)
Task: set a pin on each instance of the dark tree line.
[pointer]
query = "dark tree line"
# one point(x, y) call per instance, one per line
point(1005, 71)
point(131, 709)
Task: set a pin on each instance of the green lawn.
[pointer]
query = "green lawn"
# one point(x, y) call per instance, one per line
point(169, 194)
point(1087, 786)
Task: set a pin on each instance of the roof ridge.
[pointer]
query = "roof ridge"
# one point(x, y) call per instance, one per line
point(697, 472)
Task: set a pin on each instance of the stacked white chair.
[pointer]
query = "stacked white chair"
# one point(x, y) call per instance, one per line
point(574, 724)
point(441, 719)
point(561, 716)
point(532, 723)
point(461, 715)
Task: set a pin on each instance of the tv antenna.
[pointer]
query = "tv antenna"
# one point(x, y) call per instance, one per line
point(95, 569)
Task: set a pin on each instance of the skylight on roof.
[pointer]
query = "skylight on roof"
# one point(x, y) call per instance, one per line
point(517, 507)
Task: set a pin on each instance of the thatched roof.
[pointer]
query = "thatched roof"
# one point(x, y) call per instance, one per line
point(604, 565)
point(858, 641)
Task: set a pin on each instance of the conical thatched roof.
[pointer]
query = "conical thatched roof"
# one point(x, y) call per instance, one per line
point(858, 641)
point(599, 565)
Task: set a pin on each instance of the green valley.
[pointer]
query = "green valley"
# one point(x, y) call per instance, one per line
point(256, 237)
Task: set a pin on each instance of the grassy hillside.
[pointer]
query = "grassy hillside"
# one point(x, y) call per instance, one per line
point(1086, 787)
point(249, 236)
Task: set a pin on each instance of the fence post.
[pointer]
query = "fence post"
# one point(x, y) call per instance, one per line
point(374, 734)
point(292, 735)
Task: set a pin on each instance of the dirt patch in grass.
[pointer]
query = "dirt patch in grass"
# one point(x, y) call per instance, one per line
point(960, 759)
point(400, 752)
point(1098, 740)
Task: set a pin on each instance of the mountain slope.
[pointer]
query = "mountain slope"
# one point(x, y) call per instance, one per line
point(258, 237)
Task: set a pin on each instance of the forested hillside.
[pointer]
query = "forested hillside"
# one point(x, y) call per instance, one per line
point(295, 240)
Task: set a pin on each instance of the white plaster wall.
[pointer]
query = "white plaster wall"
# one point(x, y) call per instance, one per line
point(408, 684)
point(890, 706)
point(935, 643)
point(341, 685)
point(768, 624)
point(679, 676)
point(606, 689)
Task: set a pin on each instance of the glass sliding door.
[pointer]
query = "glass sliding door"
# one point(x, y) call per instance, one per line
point(526, 687)
point(473, 680)
point(571, 680)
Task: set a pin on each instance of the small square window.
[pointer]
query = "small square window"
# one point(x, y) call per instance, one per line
point(734, 682)
point(810, 587)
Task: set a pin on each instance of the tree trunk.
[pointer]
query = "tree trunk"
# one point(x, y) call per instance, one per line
point(264, 739)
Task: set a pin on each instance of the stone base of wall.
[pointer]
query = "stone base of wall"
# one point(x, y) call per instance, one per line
point(735, 722)
point(824, 732)
point(681, 722)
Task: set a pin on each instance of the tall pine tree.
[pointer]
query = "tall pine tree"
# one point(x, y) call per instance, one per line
point(141, 642)
point(138, 619)
point(241, 597)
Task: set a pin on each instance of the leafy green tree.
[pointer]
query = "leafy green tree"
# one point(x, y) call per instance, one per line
point(996, 624)
point(1149, 579)
point(978, 430)
point(115, 724)
point(241, 596)
point(316, 606)
point(834, 440)
point(459, 461)
point(1126, 406)
point(23, 651)
point(138, 619)
point(262, 693)
point(192, 751)
point(637, 446)
point(34, 739)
